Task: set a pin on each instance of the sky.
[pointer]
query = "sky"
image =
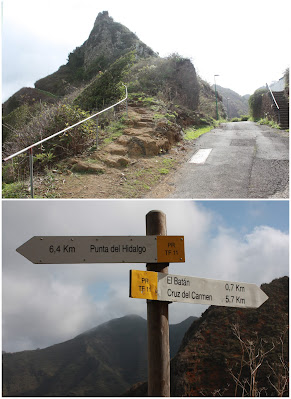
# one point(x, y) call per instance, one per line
point(245, 42)
point(239, 241)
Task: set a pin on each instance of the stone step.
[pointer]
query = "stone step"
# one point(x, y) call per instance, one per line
point(141, 123)
point(116, 149)
point(149, 120)
point(114, 161)
point(141, 111)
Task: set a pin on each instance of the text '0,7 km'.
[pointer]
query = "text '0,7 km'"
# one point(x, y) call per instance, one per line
point(174, 288)
point(106, 249)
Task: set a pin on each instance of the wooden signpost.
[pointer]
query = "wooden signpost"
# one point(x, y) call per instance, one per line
point(159, 288)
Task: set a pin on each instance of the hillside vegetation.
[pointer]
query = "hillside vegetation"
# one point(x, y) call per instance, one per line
point(104, 361)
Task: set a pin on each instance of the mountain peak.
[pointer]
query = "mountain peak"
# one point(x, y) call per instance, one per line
point(107, 42)
point(102, 16)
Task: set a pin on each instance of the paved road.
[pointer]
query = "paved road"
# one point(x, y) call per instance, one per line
point(246, 161)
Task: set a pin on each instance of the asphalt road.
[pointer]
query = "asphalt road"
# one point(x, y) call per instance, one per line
point(246, 161)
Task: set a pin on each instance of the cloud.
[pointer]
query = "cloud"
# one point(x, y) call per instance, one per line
point(38, 36)
point(47, 304)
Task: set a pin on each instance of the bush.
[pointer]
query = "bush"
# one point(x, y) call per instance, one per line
point(73, 141)
point(14, 190)
point(172, 79)
point(255, 103)
point(107, 88)
point(52, 120)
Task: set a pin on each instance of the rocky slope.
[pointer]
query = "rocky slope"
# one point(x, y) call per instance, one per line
point(107, 42)
point(211, 355)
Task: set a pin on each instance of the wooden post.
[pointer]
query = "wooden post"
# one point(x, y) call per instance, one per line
point(157, 321)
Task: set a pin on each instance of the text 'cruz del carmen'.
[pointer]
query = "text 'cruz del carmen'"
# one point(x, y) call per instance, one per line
point(174, 293)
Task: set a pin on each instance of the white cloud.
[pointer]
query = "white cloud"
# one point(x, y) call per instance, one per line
point(220, 37)
point(46, 304)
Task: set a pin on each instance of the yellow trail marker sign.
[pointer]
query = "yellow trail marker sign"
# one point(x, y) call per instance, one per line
point(143, 284)
point(170, 249)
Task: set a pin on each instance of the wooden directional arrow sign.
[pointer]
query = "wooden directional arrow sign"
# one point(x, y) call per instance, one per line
point(173, 288)
point(84, 249)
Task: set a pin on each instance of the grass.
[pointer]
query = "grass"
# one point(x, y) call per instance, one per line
point(266, 121)
point(140, 181)
point(14, 190)
point(164, 171)
point(192, 133)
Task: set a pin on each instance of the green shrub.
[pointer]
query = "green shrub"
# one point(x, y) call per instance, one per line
point(171, 79)
point(107, 88)
point(255, 103)
point(14, 190)
point(73, 141)
point(244, 118)
point(52, 120)
point(266, 121)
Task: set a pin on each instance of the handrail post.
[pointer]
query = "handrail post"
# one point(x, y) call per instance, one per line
point(31, 171)
point(96, 132)
point(126, 102)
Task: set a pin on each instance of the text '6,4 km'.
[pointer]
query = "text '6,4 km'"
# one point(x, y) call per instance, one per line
point(107, 249)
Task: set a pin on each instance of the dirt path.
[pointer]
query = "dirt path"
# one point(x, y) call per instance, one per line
point(139, 163)
point(138, 160)
point(148, 177)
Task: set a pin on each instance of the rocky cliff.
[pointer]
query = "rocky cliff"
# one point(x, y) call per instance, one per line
point(107, 42)
point(226, 346)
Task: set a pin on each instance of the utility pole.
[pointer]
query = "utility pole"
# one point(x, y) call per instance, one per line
point(216, 97)
point(158, 321)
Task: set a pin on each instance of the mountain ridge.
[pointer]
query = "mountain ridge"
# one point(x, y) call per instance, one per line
point(107, 41)
point(103, 361)
point(235, 104)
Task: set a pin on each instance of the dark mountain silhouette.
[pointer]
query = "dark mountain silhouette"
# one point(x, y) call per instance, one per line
point(210, 351)
point(104, 361)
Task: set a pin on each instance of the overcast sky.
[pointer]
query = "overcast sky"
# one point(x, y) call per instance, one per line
point(243, 241)
point(245, 42)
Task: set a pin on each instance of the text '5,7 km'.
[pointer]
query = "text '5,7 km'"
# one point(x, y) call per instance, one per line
point(107, 249)
point(173, 288)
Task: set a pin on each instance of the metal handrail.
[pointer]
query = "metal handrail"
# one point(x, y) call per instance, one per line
point(29, 149)
point(273, 96)
point(64, 130)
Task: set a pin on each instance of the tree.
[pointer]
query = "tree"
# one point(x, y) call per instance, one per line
point(255, 352)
